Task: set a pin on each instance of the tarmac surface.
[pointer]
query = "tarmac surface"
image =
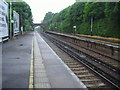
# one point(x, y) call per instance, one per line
point(16, 62)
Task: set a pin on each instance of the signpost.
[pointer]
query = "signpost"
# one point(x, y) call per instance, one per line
point(74, 27)
point(16, 23)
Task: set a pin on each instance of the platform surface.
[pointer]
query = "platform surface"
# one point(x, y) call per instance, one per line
point(49, 71)
point(59, 75)
point(16, 56)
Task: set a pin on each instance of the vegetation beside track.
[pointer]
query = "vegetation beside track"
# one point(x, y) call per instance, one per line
point(105, 19)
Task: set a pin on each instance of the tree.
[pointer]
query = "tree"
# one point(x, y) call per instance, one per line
point(112, 10)
point(47, 17)
point(25, 14)
point(105, 16)
point(94, 9)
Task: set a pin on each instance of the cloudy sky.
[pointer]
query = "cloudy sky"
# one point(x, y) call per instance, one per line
point(41, 7)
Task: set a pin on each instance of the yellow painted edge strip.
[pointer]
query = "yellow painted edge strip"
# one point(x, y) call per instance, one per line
point(107, 42)
point(101, 41)
point(31, 69)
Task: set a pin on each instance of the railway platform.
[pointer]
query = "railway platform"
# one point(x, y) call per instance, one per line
point(29, 62)
point(16, 56)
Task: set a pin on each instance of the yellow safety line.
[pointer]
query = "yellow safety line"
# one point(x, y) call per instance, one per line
point(101, 41)
point(107, 42)
point(31, 69)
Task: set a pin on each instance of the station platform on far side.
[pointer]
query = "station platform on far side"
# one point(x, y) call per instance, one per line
point(49, 71)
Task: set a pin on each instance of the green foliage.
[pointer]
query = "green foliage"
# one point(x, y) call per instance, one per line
point(47, 17)
point(24, 11)
point(105, 19)
point(112, 11)
point(94, 9)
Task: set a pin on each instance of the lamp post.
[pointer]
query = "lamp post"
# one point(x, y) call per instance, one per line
point(74, 27)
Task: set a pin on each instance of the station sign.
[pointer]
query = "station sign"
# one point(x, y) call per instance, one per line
point(16, 23)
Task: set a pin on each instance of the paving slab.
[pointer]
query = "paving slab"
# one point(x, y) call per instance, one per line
point(40, 77)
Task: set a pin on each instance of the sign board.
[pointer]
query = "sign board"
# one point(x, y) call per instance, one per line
point(3, 20)
point(16, 23)
point(74, 26)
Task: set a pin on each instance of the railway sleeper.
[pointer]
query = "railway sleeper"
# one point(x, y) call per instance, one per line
point(93, 82)
point(72, 63)
point(89, 78)
point(74, 66)
point(82, 73)
point(87, 75)
point(92, 85)
point(78, 69)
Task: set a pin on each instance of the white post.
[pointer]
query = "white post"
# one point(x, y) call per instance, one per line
point(91, 25)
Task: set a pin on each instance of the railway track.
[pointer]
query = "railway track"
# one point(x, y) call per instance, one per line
point(89, 79)
point(103, 58)
point(102, 50)
point(102, 69)
point(109, 60)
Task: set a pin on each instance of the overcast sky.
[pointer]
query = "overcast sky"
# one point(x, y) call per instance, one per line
point(41, 7)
